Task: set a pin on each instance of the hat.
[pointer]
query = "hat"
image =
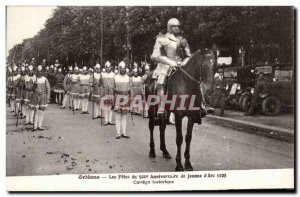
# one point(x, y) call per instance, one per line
point(30, 67)
point(40, 68)
point(107, 64)
point(122, 64)
point(97, 66)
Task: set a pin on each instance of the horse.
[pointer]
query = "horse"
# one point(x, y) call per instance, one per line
point(194, 78)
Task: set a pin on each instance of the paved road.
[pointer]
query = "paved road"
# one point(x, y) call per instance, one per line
point(76, 144)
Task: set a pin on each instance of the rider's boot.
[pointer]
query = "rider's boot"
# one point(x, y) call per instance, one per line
point(161, 109)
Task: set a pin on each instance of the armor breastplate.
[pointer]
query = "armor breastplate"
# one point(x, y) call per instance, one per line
point(122, 83)
point(108, 80)
point(172, 50)
point(85, 79)
point(41, 85)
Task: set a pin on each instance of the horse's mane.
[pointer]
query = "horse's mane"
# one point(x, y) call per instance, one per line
point(199, 64)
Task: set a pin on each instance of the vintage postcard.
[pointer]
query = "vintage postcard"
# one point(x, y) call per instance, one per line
point(150, 98)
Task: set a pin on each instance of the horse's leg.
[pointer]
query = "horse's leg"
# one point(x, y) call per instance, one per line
point(162, 129)
point(151, 128)
point(188, 139)
point(179, 139)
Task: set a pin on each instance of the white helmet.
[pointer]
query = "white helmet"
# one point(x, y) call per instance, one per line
point(97, 66)
point(147, 67)
point(173, 22)
point(40, 68)
point(107, 64)
point(122, 64)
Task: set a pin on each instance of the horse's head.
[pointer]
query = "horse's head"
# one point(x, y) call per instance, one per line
point(202, 65)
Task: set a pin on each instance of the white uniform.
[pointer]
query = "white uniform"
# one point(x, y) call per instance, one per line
point(84, 81)
point(108, 91)
point(136, 93)
point(122, 86)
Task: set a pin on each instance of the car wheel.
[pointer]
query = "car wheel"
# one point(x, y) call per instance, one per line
point(246, 103)
point(241, 102)
point(271, 106)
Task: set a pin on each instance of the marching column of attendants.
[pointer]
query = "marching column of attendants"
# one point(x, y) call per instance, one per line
point(31, 88)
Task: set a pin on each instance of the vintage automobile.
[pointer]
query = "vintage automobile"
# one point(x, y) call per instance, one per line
point(280, 93)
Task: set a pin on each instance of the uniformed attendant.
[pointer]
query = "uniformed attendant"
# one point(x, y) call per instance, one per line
point(59, 87)
point(84, 81)
point(56, 64)
point(46, 72)
point(9, 89)
point(219, 93)
point(136, 84)
point(107, 80)
point(75, 88)
point(122, 90)
point(44, 64)
point(11, 86)
point(29, 83)
point(40, 98)
point(52, 81)
point(170, 50)
point(96, 91)
point(67, 88)
point(20, 92)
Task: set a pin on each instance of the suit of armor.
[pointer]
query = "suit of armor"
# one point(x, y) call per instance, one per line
point(169, 49)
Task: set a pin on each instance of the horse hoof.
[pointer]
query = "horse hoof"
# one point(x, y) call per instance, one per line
point(167, 156)
point(152, 154)
point(179, 168)
point(188, 167)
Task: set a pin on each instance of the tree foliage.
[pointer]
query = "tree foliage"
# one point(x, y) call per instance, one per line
point(73, 34)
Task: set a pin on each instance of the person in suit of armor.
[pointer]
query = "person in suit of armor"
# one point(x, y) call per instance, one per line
point(170, 50)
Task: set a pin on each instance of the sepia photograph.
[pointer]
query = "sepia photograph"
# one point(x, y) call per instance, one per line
point(150, 98)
